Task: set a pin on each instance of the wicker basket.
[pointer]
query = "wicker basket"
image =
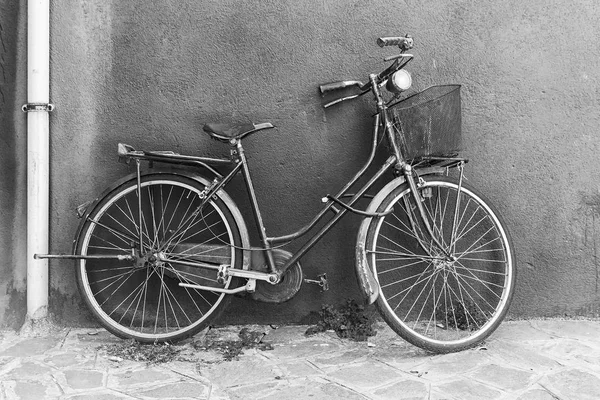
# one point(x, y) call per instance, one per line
point(428, 123)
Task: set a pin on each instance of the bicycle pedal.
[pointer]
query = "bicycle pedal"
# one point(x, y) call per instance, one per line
point(321, 281)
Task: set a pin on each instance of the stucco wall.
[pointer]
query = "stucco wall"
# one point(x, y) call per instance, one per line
point(13, 166)
point(151, 73)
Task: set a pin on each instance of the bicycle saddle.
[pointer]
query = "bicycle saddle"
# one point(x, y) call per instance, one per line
point(226, 132)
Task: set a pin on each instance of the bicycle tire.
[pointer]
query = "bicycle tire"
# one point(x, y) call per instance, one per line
point(143, 300)
point(437, 303)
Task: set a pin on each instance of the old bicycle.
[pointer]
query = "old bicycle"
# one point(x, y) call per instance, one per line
point(159, 253)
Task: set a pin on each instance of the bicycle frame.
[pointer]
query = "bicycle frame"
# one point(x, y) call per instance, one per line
point(332, 204)
point(396, 161)
point(240, 163)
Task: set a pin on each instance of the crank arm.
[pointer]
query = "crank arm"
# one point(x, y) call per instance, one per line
point(250, 286)
point(225, 270)
point(253, 275)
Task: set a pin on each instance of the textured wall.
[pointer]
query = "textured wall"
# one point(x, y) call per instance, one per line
point(13, 166)
point(151, 73)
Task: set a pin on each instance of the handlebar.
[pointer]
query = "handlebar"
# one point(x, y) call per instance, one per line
point(328, 87)
point(404, 43)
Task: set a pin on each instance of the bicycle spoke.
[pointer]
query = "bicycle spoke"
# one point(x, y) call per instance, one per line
point(143, 283)
point(186, 277)
point(472, 290)
point(143, 299)
point(403, 229)
point(120, 235)
point(446, 297)
point(153, 211)
point(179, 306)
point(212, 238)
point(388, 270)
point(438, 228)
point(408, 290)
point(185, 221)
point(468, 313)
point(180, 236)
point(472, 276)
point(403, 252)
point(143, 292)
point(114, 278)
point(470, 250)
point(424, 302)
point(136, 299)
point(110, 249)
point(131, 218)
point(399, 281)
point(119, 279)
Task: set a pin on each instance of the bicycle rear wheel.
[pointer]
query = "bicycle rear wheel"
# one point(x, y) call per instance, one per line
point(447, 298)
point(142, 299)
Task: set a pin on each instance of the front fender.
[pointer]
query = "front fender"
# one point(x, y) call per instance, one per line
point(367, 281)
point(223, 196)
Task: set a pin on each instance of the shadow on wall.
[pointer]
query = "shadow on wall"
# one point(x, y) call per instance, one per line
point(13, 184)
point(590, 227)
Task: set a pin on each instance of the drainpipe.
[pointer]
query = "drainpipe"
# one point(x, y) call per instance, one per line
point(38, 132)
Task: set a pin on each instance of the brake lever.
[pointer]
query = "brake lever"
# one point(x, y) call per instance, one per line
point(340, 100)
point(336, 101)
point(391, 58)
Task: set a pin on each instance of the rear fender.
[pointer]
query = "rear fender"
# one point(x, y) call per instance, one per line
point(85, 209)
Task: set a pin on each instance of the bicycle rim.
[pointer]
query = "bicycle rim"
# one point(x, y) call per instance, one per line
point(437, 302)
point(143, 299)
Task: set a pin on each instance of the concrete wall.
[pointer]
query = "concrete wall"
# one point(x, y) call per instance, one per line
point(151, 73)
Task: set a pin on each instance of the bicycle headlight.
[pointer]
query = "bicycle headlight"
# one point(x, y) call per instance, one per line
point(399, 81)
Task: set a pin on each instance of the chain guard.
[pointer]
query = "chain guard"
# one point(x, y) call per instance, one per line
point(287, 287)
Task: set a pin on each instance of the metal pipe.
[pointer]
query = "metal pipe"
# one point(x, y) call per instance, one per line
point(38, 177)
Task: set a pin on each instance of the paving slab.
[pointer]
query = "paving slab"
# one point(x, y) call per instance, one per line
point(535, 359)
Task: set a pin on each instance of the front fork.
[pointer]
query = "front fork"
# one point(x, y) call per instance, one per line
point(414, 185)
point(407, 171)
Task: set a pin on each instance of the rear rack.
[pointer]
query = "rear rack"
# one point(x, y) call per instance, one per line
point(127, 153)
point(438, 162)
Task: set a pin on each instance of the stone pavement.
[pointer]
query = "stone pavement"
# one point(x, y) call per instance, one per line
point(537, 359)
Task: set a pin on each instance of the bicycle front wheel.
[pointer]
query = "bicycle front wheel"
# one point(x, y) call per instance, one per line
point(447, 294)
point(140, 297)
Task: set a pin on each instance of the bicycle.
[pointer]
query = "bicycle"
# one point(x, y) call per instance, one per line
point(159, 253)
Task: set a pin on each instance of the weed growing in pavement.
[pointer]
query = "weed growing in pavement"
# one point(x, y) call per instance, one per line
point(142, 352)
point(349, 321)
point(232, 349)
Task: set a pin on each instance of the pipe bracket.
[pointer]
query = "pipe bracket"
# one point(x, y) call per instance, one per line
point(48, 107)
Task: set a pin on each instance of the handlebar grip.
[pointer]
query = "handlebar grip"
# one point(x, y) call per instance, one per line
point(403, 42)
point(328, 87)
